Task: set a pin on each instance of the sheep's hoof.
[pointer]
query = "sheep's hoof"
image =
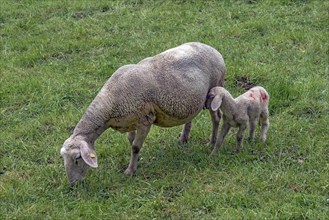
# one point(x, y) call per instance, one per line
point(129, 172)
point(183, 141)
point(238, 150)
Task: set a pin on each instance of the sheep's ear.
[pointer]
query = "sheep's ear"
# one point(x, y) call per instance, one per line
point(216, 102)
point(88, 154)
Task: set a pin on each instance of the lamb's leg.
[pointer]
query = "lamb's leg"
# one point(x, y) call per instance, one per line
point(141, 133)
point(239, 137)
point(131, 136)
point(185, 135)
point(215, 118)
point(265, 124)
point(252, 128)
point(225, 128)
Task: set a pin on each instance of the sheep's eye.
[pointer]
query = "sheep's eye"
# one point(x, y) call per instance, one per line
point(76, 159)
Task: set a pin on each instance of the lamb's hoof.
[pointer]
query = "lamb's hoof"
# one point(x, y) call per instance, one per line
point(250, 140)
point(129, 172)
point(238, 150)
point(213, 154)
point(211, 144)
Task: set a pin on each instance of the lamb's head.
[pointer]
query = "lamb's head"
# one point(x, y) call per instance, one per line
point(78, 156)
point(215, 97)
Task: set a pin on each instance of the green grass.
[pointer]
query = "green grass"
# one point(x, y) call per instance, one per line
point(56, 55)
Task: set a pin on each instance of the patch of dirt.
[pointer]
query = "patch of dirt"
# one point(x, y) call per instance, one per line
point(105, 8)
point(80, 15)
point(58, 56)
point(244, 82)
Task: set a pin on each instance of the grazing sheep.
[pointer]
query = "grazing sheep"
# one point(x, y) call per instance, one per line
point(239, 112)
point(167, 90)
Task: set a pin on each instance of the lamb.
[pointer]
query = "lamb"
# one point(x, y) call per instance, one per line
point(240, 112)
point(166, 90)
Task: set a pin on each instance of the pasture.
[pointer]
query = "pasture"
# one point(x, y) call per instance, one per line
point(56, 55)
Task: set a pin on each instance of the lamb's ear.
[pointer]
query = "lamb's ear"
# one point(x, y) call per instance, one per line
point(88, 154)
point(216, 102)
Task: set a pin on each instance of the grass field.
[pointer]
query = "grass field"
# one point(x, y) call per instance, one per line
point(56, 55)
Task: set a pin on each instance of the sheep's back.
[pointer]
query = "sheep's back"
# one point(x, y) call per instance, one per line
point(175, 82)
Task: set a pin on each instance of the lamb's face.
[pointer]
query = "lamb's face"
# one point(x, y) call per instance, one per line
point(214, 98)
point(211, 95)
point(74, 153)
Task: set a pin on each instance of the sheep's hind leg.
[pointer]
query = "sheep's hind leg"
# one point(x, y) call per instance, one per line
point(252, 128)
point(185, 135)
point(265, 124)
point(215, 118)
point(139, 137)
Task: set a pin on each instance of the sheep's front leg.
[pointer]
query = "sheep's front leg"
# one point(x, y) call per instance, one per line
point(239, 137)
point(139, 137)
point(185, 135)
point(215, 118)
point(225, 128)
point(131, 136)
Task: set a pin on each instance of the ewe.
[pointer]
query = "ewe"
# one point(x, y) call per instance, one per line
point(167, 90)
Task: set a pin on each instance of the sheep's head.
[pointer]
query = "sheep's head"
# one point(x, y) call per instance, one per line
point(214, 98)
point(78, 156)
